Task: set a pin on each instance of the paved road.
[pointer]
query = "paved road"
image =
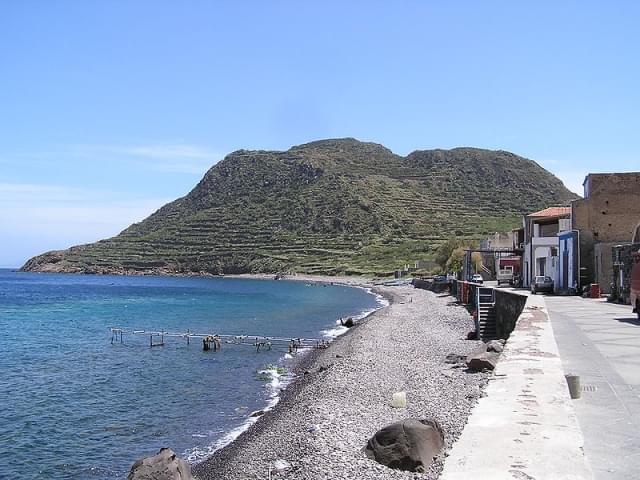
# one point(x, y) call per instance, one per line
point(601, 343)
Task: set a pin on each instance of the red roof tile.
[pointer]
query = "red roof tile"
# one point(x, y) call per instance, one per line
point(552, 212)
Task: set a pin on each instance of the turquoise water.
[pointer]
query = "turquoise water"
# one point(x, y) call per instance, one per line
point(75, 406)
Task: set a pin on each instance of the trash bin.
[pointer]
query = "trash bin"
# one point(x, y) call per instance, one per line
point(573, 382)
point(595, 290)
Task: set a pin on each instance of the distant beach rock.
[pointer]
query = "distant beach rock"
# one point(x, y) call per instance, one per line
point(407, 445)
point(348, 322)
point(486, 357)
point(166, 465)
point(481, 361)
point(495, 346)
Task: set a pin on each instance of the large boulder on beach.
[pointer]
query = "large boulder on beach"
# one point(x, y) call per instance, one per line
point(166, 465)
point(407, 445)
point(481, 361)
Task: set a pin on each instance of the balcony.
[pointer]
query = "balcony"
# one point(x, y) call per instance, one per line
point(545, 241)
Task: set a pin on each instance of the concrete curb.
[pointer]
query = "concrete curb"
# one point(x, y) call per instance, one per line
point(525, 427)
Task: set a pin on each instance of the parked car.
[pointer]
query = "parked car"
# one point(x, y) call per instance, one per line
point(635, 284)
point(477, 278)
point(542, 284)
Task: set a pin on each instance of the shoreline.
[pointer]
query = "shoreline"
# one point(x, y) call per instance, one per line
point(309, 278)
point(300, 368)
point(288, 430)
point(303, 277)
point(300, 363)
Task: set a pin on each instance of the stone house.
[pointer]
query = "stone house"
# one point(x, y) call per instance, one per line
point(608, 215)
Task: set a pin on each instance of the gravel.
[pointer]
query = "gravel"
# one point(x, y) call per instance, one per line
point(325, 417)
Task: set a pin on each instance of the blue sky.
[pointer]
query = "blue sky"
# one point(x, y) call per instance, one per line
point(110, 109)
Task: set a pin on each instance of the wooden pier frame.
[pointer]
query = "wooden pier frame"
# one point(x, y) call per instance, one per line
point(214, 341)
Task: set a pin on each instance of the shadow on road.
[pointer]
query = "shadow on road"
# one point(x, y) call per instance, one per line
point(631, 320)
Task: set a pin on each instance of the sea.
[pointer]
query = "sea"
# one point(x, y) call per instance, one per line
point(76, 405)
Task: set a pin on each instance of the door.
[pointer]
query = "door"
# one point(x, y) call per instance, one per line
point(542, 262)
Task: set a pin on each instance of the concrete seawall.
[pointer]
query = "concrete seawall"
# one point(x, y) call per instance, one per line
point(525, 427)
point(508, 308)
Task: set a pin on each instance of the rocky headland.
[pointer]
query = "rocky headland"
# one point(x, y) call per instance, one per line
point(337, 206)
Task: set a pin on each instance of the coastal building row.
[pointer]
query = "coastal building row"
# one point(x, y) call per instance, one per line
point(590, 241)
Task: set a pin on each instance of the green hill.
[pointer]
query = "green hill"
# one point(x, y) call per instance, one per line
point(331, 206)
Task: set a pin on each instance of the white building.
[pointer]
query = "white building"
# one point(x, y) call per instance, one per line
point(541, 243)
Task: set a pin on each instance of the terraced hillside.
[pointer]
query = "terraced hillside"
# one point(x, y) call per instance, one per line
point(331, 206)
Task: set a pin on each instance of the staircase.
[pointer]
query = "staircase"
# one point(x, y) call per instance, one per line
point(489, 273)
point(486, 302)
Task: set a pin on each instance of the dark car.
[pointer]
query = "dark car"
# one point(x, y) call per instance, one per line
point(542, 284)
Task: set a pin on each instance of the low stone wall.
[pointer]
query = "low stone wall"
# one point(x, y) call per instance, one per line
point(429, 284)
point(525, 426)
point(508, 308)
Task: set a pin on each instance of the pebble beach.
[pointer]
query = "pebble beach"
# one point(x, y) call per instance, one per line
point(342, 395)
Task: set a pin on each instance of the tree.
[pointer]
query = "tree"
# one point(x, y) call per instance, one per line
point(455, 261)
point(445, 250)
point(476, 260)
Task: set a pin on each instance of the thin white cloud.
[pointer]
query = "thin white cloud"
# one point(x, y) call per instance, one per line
point(28, 210)
point(198, 169)
point(39, 217)
point(177, 158)
point(181, 158)
point(168, 151)
point(47, 194)
point(9, 190)
point(63, 217)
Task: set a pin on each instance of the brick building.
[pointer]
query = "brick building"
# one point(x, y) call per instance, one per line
point(608, 215)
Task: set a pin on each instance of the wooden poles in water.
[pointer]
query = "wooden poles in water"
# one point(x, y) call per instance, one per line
point(115, 333)
point(214, 341)
point(161, 344)
point(211, 340)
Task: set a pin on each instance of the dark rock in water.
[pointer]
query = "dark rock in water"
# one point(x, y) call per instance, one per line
point(257, 413)
point(348, 322)
point(166, 465)
point(455, 358)
point(495, 346)
point(480, 361)
point(407, 445)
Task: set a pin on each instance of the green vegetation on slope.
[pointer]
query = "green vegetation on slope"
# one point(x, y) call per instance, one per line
point(331, 206)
